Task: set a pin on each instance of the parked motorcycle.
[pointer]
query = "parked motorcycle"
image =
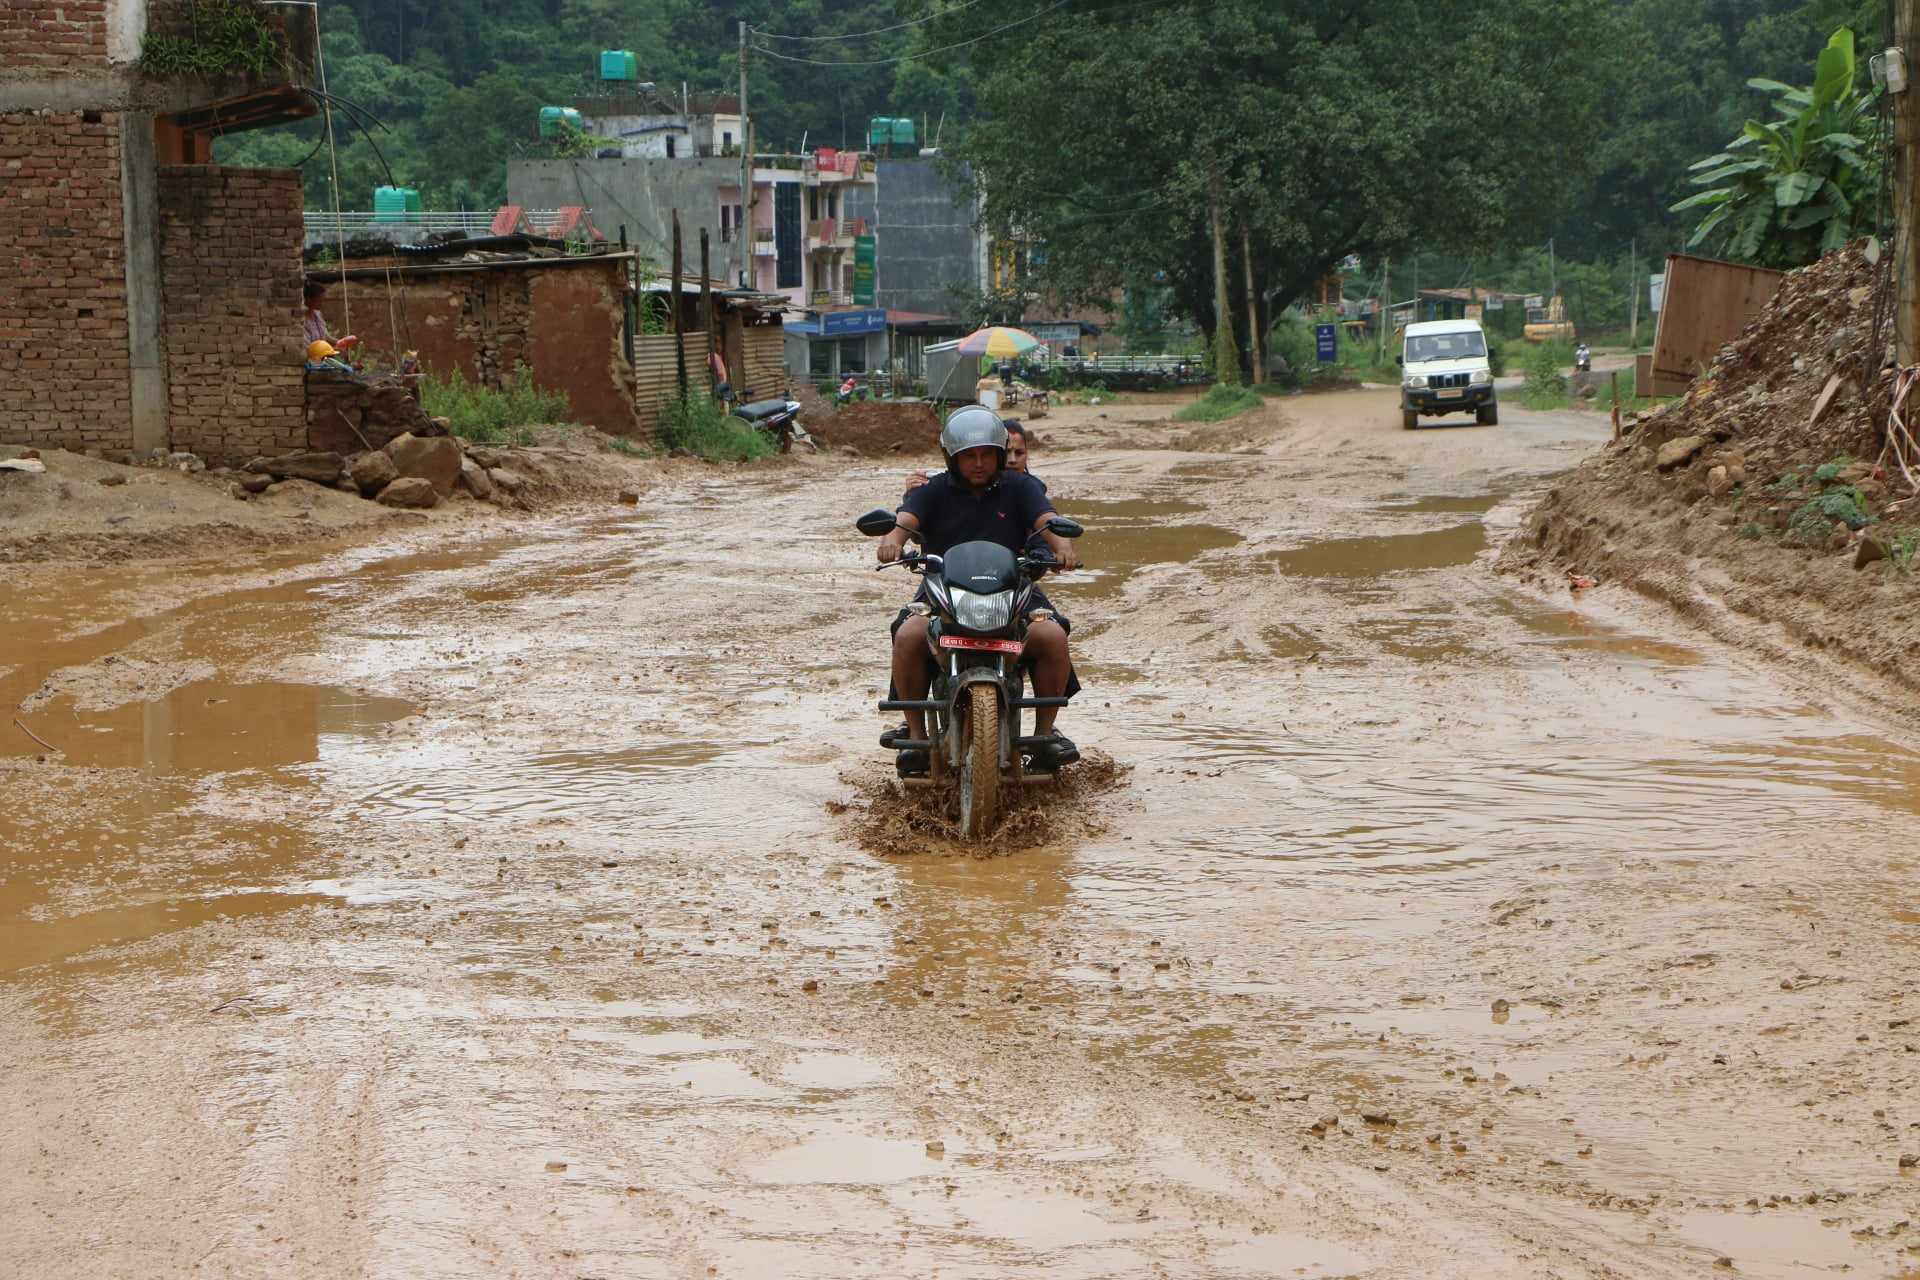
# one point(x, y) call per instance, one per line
point(778, 418)
point(975, 635)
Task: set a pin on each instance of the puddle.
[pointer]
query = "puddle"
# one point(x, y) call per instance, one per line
point(1124, 537)
point(206, 727)
point(1572, 628)
point(848, 1159)
point(1477, 504)
point(835, 1071)
point(1777, 1244)
point(1376, 557)
point(1283, 1253)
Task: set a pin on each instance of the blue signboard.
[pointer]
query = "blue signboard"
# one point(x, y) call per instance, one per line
point(1326, 343)
point(845, 324)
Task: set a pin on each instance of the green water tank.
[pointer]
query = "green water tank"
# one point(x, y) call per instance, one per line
point(619, 64)
point(389, 204)
point(551, 118)
point(413, 199)
point(879, 131)
point(903, 130)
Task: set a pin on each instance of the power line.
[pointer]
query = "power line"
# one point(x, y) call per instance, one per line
point(862, 35)
point(913, 57)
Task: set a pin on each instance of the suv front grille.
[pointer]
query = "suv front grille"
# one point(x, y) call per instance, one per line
point(1440, 380)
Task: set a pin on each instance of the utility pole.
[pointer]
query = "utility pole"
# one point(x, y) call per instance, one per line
point(1385, 316)
point(1633, 293)
point(1906, 206)
point(1253, 307)
point(746, 170)
point(1226, 352)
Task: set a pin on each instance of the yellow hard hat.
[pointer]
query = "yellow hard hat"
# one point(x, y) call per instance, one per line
point(320, 350)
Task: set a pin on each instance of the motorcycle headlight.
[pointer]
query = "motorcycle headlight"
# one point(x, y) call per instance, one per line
point(1417, 382)
point(1482, 378)
point(977, 612)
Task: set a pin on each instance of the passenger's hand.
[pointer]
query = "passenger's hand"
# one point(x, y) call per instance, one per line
point(915, 480)
point(347, 343)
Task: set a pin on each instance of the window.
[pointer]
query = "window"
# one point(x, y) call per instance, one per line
point(726, 137)
point(726, 223)
point(853, 355)
point(671, 150)
point(820, 359)
point(1465, 345)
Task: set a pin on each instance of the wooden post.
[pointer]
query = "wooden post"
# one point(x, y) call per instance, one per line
point(1253, 308)
point(1615, 376)
point(679, 330)
point(1906, 200)
point(1633, 292)
point(706, 305)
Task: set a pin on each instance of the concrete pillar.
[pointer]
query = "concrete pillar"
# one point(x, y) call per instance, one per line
point(140, 201)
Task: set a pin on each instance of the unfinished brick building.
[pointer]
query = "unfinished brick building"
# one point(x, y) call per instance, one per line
point(151, 299)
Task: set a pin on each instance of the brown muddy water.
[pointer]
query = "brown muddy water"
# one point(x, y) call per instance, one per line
point(534, 906)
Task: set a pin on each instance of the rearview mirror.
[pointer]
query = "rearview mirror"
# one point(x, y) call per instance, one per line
point(876, 523)
point(1061, 527)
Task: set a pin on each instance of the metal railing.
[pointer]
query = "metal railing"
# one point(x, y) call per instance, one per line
point(329, 224)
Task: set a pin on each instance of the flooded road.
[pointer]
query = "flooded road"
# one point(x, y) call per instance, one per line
point(535, 906)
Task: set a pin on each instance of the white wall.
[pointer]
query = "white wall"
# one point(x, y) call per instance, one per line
point(126, 28)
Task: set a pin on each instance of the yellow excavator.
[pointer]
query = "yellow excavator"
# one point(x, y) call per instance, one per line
point(1548, 323)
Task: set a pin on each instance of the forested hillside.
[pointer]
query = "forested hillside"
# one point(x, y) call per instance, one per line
point(1577, 119)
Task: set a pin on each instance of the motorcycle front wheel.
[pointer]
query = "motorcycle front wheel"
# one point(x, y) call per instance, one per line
point(980, 763)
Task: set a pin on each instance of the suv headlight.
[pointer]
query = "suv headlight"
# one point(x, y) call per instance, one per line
point(977, 612)
point(1416, 382)
point(1482, 378)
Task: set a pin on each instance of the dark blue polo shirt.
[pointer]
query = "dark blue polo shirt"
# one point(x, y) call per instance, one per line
point(950, 513)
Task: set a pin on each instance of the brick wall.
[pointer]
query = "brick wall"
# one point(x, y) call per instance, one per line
point(230, 294)
point(64, 377)
point(53, 33)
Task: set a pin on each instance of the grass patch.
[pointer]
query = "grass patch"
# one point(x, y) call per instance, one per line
point(704, 428)
point(632, 448)
point(1902, 547)
point(1219, 404)
point(482, 415)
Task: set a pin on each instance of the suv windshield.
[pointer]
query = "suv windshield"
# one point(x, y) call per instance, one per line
point(1446, 346)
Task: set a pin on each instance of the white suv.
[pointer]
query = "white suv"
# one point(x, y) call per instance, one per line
point(1444, 369)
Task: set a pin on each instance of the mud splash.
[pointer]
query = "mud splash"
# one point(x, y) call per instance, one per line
point(892, 821)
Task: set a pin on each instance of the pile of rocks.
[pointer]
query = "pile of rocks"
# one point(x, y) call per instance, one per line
point(411, 471)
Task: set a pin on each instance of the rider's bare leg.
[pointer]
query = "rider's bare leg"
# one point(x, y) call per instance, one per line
point(1047, 646)
point(911, 672)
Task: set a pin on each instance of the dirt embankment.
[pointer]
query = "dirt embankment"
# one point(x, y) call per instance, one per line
point(76, 507)
point(1767, 504)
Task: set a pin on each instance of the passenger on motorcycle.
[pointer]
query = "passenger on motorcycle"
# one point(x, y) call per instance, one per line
point(978, 499)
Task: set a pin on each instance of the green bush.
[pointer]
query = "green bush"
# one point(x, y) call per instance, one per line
point(703, 427)
point(1219, 403)
point(1842, 504)
point(482, 415)
point(1291, 338)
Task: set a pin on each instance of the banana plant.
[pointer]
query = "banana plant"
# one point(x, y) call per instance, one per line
point(1789, 190)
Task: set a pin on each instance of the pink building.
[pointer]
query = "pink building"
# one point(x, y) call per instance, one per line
point(802, 239)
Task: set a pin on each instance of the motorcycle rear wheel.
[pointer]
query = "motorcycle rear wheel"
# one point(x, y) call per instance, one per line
point(980, 764)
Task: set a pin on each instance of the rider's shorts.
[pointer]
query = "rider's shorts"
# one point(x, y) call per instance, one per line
point(1040, 601)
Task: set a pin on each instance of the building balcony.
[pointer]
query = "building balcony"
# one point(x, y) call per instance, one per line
point(821, 233)
point(829, 298)
point(763, 242)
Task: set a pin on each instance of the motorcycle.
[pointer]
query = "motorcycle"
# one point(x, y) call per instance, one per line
point(778, 418)
point(1583, 360)
point(975, 636)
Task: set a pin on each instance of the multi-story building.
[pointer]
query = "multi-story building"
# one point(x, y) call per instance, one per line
point(151, 298)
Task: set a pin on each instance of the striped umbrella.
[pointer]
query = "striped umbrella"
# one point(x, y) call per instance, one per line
point(998, 342)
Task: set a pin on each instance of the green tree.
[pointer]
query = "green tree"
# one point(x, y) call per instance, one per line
point(1785, 192)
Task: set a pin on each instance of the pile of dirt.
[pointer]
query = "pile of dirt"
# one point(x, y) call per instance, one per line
point(1765, 503)
point(879, 428)
point(890, 820)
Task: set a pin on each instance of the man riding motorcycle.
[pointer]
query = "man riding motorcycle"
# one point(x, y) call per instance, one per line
point(977, 499)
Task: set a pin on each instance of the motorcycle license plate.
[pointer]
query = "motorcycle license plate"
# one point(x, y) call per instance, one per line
point(1452, 393)
point(990, 646)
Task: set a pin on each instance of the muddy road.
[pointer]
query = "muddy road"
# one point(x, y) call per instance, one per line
point(536, 906)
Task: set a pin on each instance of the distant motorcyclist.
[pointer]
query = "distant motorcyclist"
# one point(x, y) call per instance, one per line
point(978, 499)
point(1583, 359)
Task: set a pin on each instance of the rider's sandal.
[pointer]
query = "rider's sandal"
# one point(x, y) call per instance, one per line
point(1057, 750)
point(889, 736)
point(912, 763)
